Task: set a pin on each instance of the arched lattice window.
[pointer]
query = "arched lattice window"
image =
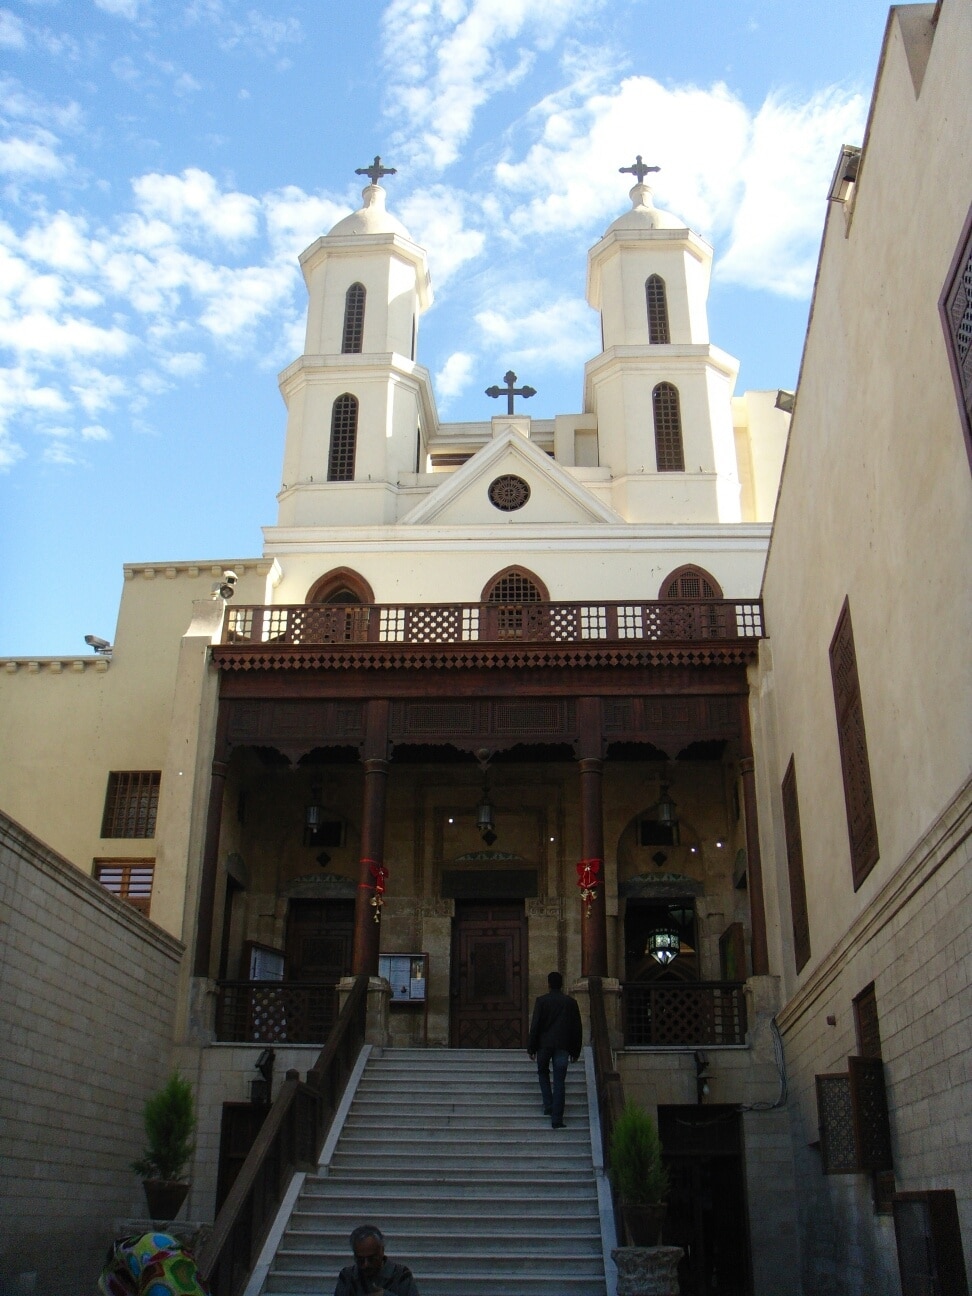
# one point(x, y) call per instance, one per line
point(341, 585)
point(344, 434)
point(690, 583)
point(354, 309)
point(512, 589)
point(515, 585)
point(657, 309)
point(668, 428)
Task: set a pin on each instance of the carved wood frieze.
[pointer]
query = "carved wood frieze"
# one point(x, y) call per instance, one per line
point(294, 725)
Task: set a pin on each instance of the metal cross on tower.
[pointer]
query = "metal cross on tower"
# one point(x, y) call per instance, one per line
point(376, 170)
point(639, 170)
point(510, 390)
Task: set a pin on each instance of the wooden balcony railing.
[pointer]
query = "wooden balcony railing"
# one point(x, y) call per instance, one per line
point(275, 1012)
point(291, 1139)
point(684, 1013)
point(468, 623)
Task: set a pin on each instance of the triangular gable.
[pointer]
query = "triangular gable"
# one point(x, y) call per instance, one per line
point(555, 497)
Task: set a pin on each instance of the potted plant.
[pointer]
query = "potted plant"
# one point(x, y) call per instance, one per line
point(640, 1178)
point(170, 1121)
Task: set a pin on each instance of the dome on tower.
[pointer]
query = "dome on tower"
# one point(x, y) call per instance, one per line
point(643, 214)
point(372, 218)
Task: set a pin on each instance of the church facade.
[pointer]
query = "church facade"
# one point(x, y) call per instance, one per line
point(503, 696)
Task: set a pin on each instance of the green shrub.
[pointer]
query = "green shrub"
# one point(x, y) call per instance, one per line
point(170, 1121)
point(636, 1158)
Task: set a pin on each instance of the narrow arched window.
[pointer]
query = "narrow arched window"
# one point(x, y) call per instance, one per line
point(511, 589)
point(344, 435)
point(668, 428)
point(354, 309)
point(657, 309)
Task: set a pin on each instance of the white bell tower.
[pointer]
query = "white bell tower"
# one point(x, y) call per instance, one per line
point(359, 407)
point(660, 392)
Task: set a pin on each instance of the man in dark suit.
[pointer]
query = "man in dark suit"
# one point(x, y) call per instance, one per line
point(556, 1037)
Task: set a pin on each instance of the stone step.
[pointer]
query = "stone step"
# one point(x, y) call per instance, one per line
point(497, 1282)
point(521, 1194)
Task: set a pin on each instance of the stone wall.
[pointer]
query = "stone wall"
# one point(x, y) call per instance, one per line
point(86, 1016)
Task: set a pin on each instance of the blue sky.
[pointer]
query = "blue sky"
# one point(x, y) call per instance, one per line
point(162, 164)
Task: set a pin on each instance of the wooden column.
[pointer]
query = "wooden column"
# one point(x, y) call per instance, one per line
point(594, 913)
point(367, 916)
point(754, 861)
point(210, 863)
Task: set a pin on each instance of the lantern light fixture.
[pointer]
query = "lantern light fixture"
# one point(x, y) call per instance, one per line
point(663, 945)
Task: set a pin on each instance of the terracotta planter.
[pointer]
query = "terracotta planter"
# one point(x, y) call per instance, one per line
point(165, 1198)
point(643, 1222)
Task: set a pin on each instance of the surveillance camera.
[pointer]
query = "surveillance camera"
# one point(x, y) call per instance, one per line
point(225, 587)
point(230, 577)
point(98, 644)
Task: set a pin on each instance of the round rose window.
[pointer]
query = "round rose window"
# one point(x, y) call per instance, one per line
point(508, 493)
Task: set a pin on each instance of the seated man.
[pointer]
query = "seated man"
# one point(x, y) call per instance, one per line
point(371, 1272)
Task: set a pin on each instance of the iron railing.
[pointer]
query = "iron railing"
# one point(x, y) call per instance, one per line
point(453, 623)
point(275, 1012)
point(684, 1013)
point(291, 1139)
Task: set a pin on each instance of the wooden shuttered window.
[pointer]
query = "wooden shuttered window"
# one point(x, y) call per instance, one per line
point(852, 740)
point(794, 863)
point(344, 437)
point(852, 1110)
point(955, 307)
point(130, 880)
point(131, 803)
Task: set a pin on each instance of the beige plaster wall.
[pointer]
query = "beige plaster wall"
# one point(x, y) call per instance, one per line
point(876, 506)
point(89, 988)
point(65, 723)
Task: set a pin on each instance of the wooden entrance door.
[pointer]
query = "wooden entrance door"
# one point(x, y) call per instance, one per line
point(489, 965)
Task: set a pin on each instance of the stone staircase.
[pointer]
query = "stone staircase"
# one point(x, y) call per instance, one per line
point(447, 1152)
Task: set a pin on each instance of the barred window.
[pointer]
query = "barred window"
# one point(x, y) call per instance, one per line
point(131, 803)
point(657, 309)
point(354, 309)
point(668, 428)
point(852, 740)
point(794, 863)
point(344, 436)
point(130, 880)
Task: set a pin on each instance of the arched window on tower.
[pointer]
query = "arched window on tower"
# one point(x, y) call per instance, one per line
point(669, 456)
point(344, 435)
point(354, 310)
point(657, 309)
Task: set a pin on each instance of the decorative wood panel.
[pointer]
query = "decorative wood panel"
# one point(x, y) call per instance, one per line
point(869, 1104)
point(852, 739)
point(794, 862)
point(835, 1117)
point(296, 725)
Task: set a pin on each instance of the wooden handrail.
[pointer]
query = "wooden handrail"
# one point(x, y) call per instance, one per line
point(610, 1090)
point(291, 1139)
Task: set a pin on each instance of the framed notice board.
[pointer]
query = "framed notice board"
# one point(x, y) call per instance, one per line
point(408, 976)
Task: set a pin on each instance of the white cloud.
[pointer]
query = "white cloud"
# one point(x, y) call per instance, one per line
point(295, 219)
point(558, 331)
point(11, 31)
point(435, 218)
point(454, 376)
point(194, 199)
point(41, 334)
point(259, 33)
point(61, 241)
point(35, 157)
point(119, 8)
point(446, 58)
point(185, 364)
point(95, 432)
point(754, 183)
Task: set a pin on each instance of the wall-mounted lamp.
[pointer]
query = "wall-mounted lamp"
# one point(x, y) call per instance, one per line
point(260, 1090)
point(701, 1074)
point(485, 819)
